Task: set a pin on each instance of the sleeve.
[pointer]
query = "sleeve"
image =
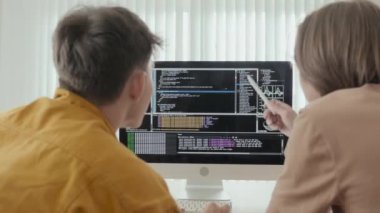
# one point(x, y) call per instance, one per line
point(308, 181)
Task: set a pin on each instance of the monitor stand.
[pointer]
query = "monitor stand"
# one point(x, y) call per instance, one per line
point(204, 190)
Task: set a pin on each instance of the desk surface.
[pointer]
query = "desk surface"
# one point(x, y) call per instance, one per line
point(246, 196)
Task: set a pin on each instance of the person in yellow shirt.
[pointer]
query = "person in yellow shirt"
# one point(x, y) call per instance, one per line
point(61, 154)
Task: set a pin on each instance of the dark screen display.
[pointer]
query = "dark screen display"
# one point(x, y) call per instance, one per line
point(206, 112)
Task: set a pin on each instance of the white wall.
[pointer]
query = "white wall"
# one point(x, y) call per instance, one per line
point(20, 52)
point(26, 68)
point(26, 26)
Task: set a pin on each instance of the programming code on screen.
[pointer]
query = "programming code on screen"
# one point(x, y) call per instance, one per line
point(209, 108)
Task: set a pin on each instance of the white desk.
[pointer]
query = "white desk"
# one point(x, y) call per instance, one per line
point(246, 196)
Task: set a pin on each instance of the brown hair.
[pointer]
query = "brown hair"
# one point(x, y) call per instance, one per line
point(96, 48)
point(338, 46)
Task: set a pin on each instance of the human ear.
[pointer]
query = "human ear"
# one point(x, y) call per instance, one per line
point(136, 85)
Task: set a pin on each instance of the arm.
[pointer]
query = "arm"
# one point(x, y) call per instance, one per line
point(280, 116)
point(308, 182)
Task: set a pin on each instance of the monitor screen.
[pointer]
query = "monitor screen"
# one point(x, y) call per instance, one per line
point(207, 112)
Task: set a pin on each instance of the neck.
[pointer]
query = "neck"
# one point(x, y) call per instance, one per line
point(114, 115)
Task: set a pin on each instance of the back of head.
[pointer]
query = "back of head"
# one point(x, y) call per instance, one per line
point(96, 48)
point(338, 46)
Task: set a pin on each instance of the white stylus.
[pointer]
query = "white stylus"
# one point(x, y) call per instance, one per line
point(257, 89)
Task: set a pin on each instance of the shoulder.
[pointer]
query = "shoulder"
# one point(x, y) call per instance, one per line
point(122, 174)
point(21, 113)
point(122, 181)
point(333, 107)
point(118, 173)
point(131, 180)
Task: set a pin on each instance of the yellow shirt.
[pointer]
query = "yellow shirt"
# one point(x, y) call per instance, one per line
point(61, 155)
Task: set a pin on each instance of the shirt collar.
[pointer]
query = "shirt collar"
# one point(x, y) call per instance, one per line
point(74, 99)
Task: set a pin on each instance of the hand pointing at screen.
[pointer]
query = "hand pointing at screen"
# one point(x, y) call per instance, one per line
point(280, 116)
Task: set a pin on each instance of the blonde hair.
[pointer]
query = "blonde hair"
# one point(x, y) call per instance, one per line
point(338, 46)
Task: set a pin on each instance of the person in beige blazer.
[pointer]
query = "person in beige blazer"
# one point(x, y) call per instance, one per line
point(332, 160)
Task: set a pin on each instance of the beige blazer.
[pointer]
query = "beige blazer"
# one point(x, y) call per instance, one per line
point(333, 156)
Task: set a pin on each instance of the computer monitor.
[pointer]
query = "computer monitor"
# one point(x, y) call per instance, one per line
point(205, 123)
